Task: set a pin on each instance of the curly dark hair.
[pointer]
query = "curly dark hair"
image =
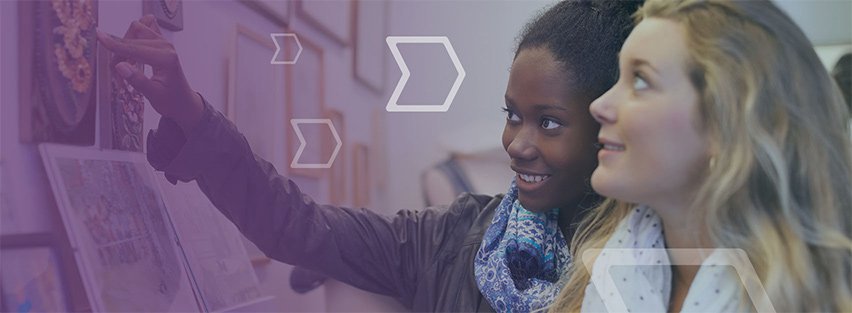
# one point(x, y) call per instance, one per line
point(585, 36)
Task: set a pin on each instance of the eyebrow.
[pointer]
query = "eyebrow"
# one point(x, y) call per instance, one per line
point(641, 62)
point(537, 107)
point(636, 62)
point(508, 100)
point(547, 107)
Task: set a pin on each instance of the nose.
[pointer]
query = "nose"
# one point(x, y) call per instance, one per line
point(523, 147)
point(602, 108)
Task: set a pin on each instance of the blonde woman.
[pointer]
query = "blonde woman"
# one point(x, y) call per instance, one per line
point(723, 131)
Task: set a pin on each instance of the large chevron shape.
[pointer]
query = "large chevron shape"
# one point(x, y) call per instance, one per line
point(393, 106)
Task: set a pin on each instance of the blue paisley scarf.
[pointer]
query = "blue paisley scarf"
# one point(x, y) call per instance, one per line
point(521, 258)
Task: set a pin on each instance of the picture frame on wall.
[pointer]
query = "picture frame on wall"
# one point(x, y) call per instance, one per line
point(333, 18)
point(32, 278)
point(379, 160)
point(306, 99)
point(361, 175)
point(121, 108)
point(123, 241)
point(57, 90)
point(337, 176)
point(220, 261)
point(169, 13)
point(257, 257)
point(257, 102)
point(277, 11)
point(369, 28)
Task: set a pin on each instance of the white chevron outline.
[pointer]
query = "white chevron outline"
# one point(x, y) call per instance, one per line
point(295, 122)
point(278, 48)
point(393, 106)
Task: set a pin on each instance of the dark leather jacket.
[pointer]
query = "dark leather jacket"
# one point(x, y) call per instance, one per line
point(423, 258)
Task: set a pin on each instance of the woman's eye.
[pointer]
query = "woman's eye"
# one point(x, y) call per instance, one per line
point(639, 83)
point(511, 116)
point(550, 124)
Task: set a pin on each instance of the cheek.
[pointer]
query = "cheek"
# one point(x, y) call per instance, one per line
point(667, 145)
point(682, 136)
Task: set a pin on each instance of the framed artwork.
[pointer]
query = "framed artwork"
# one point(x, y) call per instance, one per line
point(121, 109)
point(58, 57)
point(306, 94)
point(360, 175)
point(334, 18)
point(369, 26)
point(169, 13)
point(32, 278)
point(379, 159)
point(257, 257)
point(117, 225)
point(218, 261)
point(256, 95)
point(337, 177)
point(277, 11)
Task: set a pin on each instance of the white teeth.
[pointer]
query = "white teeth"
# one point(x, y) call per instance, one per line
point(613, 147)
point(532, 178)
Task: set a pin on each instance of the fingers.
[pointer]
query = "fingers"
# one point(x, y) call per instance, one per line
point(147, 19)
point(136, 78)
point(139, 30)
point(144, 28)
point(156, 52)
point(151, 43)
point(151, 21)
point(136, 30)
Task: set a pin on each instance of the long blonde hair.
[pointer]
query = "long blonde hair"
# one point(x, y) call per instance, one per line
point(780, 184)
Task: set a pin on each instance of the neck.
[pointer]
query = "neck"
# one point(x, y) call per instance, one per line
point(682, 229)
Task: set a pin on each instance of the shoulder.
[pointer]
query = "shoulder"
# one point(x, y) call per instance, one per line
point(472, 210)
point(478, 212)
point(475, 204)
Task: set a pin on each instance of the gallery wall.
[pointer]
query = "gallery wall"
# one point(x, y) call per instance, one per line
point(482, 35)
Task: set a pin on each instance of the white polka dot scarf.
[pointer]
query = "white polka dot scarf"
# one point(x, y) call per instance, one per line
point(645, 286)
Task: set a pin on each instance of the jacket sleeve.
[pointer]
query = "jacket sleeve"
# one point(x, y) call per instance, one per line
point(381, 254)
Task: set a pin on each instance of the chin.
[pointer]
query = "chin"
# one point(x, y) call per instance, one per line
point(613, 189)
point(532, 205)
point(601, 184)
point(537, 205)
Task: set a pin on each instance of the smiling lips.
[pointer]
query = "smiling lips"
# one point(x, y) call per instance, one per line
point(530, 178)
point(610, 145)
point(613, 147)
point(533, 178)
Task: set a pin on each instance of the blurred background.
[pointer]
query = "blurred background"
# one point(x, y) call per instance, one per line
point(345, 73)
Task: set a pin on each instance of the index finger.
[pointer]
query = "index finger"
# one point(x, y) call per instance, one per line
point(151, 21)
point(140, 49)
point(137, 29)
point(145, 27)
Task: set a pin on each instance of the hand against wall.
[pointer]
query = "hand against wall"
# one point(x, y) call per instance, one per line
point(167, 89)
